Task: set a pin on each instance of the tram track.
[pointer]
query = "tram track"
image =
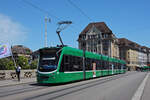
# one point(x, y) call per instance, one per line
point(77, 88)
point(68, 90)
point(20, 90)
point(16, 84)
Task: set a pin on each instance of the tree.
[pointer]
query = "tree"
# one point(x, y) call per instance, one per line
point(3, 64)
point(34, 64)
point(10, 65)
point(6, 64)
point(23, 62)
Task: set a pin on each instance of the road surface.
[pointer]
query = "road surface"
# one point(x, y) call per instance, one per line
point(117, 87)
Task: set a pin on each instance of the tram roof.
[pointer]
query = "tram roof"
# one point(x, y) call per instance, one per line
point(78, 52)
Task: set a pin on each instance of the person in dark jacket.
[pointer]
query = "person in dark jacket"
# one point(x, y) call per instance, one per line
point(18, 69)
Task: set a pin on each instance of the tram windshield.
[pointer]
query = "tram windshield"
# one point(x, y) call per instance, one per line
point(48, 60)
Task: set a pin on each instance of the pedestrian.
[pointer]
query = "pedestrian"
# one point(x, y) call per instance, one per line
point(18, 69)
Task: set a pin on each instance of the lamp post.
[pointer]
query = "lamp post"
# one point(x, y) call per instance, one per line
point(46, 20)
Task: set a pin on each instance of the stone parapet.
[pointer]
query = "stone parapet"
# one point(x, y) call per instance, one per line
point(11, 74)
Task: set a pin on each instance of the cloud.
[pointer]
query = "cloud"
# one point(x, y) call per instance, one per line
point(11, 31)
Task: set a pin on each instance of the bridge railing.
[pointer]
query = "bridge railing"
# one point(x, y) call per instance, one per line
point(11, 74)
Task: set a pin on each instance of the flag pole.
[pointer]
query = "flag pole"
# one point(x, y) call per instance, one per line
point(13, 57)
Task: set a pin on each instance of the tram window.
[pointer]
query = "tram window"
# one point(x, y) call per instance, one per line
point(116, 65)
point(124, 66)
point(76, 63)
point(71, 63)
point(66, 63)
point(108, 65)
point(75, 68)
point(88, 64)
point(71, 60)
point(119, 67)
point(98, 65)
point(101, 64)
point(80, 62)
point(66, 59)
point(104, 65)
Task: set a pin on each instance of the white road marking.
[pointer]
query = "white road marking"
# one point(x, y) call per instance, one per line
point(140, 90)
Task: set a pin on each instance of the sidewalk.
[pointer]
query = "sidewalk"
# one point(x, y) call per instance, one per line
point(16, 82)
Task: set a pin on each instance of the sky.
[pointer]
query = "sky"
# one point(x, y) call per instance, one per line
point(22, 21)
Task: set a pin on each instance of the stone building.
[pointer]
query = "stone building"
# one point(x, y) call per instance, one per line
point(134, 54)
point(98, 38)
point(143, 56)
point(148, 56)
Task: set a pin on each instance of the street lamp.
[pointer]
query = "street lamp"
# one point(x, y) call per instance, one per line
point(46, 20)
point(61, 26)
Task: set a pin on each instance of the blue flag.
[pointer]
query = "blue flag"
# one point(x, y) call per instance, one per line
point(5, 50)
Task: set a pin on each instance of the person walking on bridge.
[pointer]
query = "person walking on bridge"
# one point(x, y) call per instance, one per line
point(18, 69)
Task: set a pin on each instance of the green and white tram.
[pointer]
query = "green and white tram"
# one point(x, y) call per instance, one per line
point(61, 65)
